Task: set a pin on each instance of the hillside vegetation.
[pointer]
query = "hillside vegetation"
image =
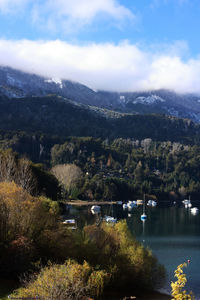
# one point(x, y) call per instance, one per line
point(31, 234)
point(57, 116)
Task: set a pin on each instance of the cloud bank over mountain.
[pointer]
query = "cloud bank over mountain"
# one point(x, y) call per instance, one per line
point(114, 67)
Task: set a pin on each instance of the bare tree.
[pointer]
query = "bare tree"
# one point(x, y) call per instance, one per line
point(67, 174)
point(18, 170)
point(25, 177)
point(8, 165)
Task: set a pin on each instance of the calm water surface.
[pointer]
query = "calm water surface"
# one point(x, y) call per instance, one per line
point(171, 232)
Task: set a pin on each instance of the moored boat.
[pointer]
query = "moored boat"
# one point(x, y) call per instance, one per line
point(131, 204)
point(110, 219)
point(70, 223)
point(152, 203)
point(125, 206)
point(143, 216)
point(95, 209)
point(194, 210)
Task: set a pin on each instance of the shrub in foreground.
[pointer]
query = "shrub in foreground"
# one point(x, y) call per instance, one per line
point(178, 291)
point(68, 281)
point(118, 252)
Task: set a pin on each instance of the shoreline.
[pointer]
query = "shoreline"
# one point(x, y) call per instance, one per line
point(138, 295)
point(88, 203)
point(154, 296)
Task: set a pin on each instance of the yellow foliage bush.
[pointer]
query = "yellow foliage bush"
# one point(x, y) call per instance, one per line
point(23, 214)
point(68, 281)
point(177, 287)
point(117, 251)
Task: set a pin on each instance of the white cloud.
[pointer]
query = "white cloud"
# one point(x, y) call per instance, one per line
point(67, 15)
point(71, 15)
point(122, 67)
point(86, 10)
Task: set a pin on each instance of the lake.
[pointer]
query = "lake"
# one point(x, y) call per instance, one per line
point(171, 232)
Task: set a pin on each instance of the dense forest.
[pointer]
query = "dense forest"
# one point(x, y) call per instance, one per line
point(121, 169)
point(124, 169)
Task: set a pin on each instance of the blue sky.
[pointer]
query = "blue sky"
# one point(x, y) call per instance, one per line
point(105, 44)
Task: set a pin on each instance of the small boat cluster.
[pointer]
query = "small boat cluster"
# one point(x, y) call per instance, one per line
point(188, 204)
point(96, 209)
point(152, 203)
point(132, 204)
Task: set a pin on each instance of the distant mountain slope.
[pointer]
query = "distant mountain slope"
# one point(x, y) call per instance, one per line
point(160, 101)
point(55, 115)
point(17, 84)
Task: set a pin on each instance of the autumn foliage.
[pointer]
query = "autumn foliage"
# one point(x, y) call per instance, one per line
point(130, 264)
point(67, 281)
point(178, 291)
point(24, 219)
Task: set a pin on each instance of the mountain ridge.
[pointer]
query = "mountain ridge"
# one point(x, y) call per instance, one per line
point(18, 84)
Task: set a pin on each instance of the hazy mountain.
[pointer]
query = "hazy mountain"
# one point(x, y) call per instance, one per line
point(17, 84)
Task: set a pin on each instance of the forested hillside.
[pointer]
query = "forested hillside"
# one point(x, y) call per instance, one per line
point(57, 116)
point(124, 169)
point(123, 155)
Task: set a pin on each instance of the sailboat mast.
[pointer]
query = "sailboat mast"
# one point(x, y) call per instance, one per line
point(143, 216)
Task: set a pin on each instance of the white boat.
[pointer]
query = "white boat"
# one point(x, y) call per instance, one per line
point(194, 210)
point(187, 201)
point(152, 203)
point(95, 209)
point(70, 223)
point(131, 204)
point(110, 219)
point(125, 206)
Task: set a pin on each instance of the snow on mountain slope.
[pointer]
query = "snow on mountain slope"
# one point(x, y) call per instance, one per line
point(17, 84)
point(148, 100)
